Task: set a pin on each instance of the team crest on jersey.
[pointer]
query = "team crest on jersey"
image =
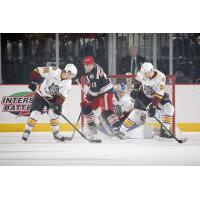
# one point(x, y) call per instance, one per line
point(53, 89)
point(91, 76)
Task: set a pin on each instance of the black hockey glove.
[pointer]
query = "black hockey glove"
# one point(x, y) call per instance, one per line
point(32, 86)
point(151, 110)
point(135, 93)
point(57, 109)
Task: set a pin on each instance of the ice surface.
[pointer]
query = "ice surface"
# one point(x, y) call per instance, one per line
point(42, 149)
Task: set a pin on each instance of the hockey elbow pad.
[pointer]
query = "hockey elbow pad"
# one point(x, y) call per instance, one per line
point(32, 85)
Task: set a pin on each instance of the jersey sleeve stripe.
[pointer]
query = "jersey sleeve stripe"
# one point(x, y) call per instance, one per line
point(158, 95)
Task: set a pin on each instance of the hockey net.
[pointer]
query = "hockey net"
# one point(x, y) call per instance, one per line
point(129, 81)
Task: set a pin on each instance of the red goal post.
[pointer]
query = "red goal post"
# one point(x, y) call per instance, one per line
point(129, 80)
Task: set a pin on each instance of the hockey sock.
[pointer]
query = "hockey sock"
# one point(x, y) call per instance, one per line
point(54, 124)
point(89, 118)
point(30, 124)
point(167, 121)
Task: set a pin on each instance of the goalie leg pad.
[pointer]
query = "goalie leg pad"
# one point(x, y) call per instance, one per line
point(136, 118)
point(106, 127)
point(111, 118)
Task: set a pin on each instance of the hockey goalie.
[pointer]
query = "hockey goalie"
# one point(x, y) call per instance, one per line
point(149, 88)
point(123, 103)
point(53, 84)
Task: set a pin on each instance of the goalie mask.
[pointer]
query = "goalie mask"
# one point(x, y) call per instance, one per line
point(121, 89)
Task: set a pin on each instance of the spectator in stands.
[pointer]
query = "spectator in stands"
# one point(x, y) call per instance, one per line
point(132, 62)
point(196, 57)
point(181, 78)
point(100, 54)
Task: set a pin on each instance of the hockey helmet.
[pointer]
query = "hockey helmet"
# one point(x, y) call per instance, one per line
point(146, 67)
point(71, 68)
point(88, 60)
point(122, 87)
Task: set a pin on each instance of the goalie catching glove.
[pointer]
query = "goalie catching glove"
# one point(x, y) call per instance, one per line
point(151, 110)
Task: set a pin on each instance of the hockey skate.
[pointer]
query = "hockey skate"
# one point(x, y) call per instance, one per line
point(26, 135)
point(91, 132)
point(118, 133)
point(57, 136)
point(164, 134)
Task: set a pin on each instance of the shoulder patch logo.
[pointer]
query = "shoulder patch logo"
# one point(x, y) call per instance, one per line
point(91, 76)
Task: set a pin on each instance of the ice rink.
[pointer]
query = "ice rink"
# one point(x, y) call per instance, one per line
point(42, 149)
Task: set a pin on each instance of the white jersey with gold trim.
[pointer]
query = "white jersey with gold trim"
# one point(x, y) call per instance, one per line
point(154, 86)
point(53, 84)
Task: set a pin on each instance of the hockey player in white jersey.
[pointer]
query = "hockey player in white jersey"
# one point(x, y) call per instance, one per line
point(150, 89)
point(123, 103)
point(53, 84)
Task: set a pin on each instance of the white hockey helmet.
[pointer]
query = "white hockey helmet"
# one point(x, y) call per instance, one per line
point(146, 67)
point(71, 68)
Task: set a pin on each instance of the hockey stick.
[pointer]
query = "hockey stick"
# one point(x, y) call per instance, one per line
point(178, 140)
point(76, 125)
point(92, 141)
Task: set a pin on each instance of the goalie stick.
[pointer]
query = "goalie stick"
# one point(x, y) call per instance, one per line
point(178, 140)
point(67, 138)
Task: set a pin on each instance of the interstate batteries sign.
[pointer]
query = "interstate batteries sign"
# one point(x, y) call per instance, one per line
point(18, 103)
point(16, 100)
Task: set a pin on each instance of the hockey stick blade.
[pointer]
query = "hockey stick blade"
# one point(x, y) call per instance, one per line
point(178, 140)
point(68, 138)
point(95, 141)
point(182, 141)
